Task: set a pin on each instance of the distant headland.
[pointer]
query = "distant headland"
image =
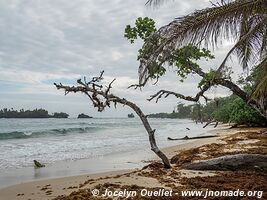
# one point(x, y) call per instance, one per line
point(36, 113)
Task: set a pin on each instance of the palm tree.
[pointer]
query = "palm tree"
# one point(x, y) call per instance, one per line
point(259, 92)
point(244, 21)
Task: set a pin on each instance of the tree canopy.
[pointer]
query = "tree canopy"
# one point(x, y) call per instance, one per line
point(178, 44)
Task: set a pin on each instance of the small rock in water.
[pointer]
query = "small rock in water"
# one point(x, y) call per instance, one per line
point(38, 164)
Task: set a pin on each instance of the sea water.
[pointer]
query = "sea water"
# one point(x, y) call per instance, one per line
point(52, 140)
point(78, 146)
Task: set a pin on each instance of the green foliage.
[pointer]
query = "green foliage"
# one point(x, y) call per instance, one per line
point(236, 110)
point(143, 28)
point(36, 113)
point(211, 75)
point(60, 115)
point(256, 83)
point(227, 109)
point(196, 112)
point(181, 113)
point(184, 111)
point(183, 59)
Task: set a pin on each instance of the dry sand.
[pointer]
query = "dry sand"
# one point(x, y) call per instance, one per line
point(49, 189)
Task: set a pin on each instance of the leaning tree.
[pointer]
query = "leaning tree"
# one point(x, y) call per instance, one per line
point(175, 43)
point(101, 97)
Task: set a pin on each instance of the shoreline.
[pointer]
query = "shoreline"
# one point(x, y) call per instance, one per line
point(31, 189)
point(95, 162)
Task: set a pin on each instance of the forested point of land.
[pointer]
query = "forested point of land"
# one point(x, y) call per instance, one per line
point(36, 113)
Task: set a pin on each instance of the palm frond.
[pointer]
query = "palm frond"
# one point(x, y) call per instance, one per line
point(260, 89)
point(250, 50)
point(155, 2)
point(211, 24)
point(225, 20)
point(249, 46)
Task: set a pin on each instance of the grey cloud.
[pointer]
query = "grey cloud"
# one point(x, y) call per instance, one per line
point(72, 38)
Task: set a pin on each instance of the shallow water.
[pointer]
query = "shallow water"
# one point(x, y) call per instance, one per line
point(96, 145)
point(51, 140)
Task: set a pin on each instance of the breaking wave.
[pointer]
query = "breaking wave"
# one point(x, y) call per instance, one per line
point(45, 133)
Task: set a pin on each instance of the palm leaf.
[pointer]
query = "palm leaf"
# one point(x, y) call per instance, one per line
point(211, 24)
point(155, 2)
point(226, 20)
point(249, 46)
point(260, 90)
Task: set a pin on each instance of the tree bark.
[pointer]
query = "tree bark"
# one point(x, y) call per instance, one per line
point(260, 104)
point(230, 162)
point(193, 138)
point(151, 133)
point(84, 88)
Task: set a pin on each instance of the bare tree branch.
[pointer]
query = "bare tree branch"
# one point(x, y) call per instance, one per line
point(135, 86)
point(161, 93)
point(101, 99)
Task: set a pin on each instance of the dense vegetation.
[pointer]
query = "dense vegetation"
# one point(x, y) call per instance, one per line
point(227, 109)
point(37, 113)
point(234, 109)
point(161, 50)
point(181, 112)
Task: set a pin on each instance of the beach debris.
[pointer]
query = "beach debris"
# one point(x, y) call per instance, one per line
point(230, 162)
point(46, 187)
point(215, 122)
point(192, 138)
point(38, 164)
point(49, 192)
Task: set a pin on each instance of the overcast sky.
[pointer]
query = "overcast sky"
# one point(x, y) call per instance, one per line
point(47, 41)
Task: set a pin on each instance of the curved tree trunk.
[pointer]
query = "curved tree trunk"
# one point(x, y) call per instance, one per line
point(260, 104)
point(151, 133)
point(86, 89)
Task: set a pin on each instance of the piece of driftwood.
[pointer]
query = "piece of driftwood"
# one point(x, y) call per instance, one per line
point(230, 162)
point(192, 138)
point(210, 122)
point(38, 164)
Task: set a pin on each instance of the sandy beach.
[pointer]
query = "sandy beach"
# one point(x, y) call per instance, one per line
point(136, 100)
point(147, 177)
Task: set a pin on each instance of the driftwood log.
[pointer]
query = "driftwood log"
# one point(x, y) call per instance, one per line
point(210, 122)
point(102, 98)
point(192, 138)
point(230, 162)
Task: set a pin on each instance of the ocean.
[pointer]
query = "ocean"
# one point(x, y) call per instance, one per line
point(52, 141)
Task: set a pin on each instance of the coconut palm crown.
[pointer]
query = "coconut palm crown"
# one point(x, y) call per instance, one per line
point(244, 21)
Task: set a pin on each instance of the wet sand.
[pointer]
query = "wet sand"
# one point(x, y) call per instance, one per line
point(51, 188)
